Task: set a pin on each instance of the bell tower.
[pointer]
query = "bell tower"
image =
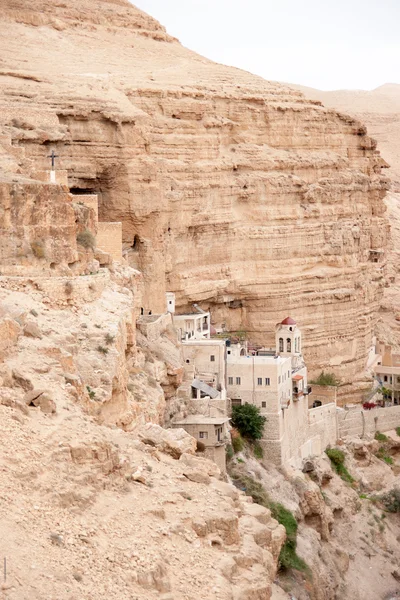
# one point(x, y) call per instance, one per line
point(288, 338)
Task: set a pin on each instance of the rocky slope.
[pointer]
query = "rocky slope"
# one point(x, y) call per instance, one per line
point(234, 192)
point(349, 543)
point(379, 109)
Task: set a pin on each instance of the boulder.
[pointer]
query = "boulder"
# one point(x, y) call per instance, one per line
point(31, 329)
point(174, 442)
point(201, 464)
point(197, 476)
point(41, 399)
point(21, 380)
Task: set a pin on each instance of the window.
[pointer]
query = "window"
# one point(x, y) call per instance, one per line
point(385, 378)
point(203, 435)
point(263, 405)
point(236, 402)
point(259, 380)
point(229, 351)
point(212, 357)
point(289, 345)
point(230, 380)
point(238, 381)
point(267, 381)
point(279, 379)
point(288, 373)
point(187, 361)
point(280, 344)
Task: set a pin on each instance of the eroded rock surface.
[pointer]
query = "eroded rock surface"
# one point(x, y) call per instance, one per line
point(234, 192)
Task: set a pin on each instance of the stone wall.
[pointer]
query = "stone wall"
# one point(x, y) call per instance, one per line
point(153, 326)
point(109, 239)
point(356, 422)
point(322, 422)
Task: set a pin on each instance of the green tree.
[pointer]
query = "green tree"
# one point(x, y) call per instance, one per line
point(248, 421)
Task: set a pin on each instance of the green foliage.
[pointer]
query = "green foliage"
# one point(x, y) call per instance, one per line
point(92, 393)
point(382, 454)
point(391, 500)
point(337, 458)
point(86, 239)
point(326, 379)
point(257, 450)
point(247, 419)
point(288, 559)
point(386, 393)
point(102, 349)
point(229, 452)
point(237, 443)
point(38, 249)
point(109, 339)
point(381, 437)
point(398, 431)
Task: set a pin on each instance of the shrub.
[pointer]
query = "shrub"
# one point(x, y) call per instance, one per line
point(288, 559)
point(237, 443)
point(398, 431)
point(383, 455)
point(229, 452)
point(109, 339)
point(258, 451)
point(102, 350)
point(391, 500)
point(326, 379)
point(369, 405)
point(381, 437)
point(38, 249)
point(248, 421)
point(92, 393)
point(86, 239)
point(337, 458)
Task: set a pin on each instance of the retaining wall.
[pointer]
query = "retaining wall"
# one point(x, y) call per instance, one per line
point(358, 422)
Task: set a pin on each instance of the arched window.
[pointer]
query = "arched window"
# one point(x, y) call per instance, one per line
point(280, 344)
point(289, 345)
point(298, 346)
point(295, 344)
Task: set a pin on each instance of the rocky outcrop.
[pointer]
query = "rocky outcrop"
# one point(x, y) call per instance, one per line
point(234, 192)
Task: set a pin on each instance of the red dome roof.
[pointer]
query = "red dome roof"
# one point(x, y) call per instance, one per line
point(288, 321)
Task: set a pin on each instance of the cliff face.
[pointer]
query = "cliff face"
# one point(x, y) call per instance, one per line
point(234, 192)
point(379, 109)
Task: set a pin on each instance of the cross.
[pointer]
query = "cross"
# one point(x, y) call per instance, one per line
point(53, 157)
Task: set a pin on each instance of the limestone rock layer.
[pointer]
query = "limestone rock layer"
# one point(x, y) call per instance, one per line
point(234, 192)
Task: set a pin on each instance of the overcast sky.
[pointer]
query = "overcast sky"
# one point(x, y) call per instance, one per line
point(326, 44)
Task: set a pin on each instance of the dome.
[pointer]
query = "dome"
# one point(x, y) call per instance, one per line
point(288, 321)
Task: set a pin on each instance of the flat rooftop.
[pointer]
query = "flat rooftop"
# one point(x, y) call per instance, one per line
point(202, 420)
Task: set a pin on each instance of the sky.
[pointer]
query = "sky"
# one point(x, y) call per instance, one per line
point(325, 44)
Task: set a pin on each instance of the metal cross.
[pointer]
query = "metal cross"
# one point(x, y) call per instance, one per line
point(53, 157)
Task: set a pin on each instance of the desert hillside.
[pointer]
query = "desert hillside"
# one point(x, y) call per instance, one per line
point(175, 174)
point(234, 192)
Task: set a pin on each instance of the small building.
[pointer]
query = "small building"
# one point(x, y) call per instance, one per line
point(193, 326)
point(387, 370)
point(208, 359)
point(170, 301)
point(212, 432)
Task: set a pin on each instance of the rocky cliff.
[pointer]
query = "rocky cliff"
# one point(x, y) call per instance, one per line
point(379, 109)
point(234, 192)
